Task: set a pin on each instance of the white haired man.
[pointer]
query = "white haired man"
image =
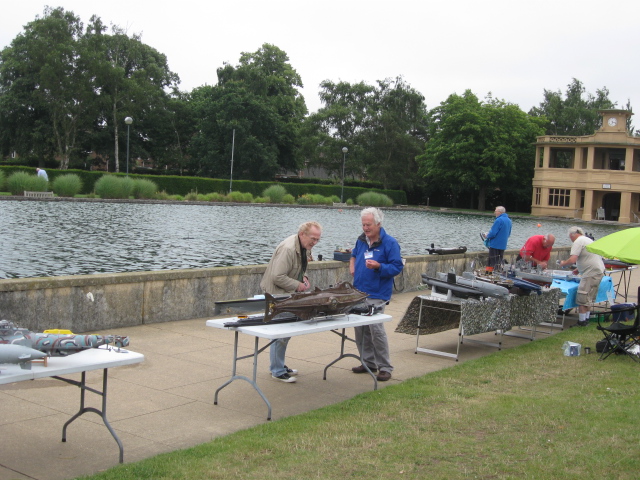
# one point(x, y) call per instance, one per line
point(375, 260)
point(497, 238)
point(591, 269)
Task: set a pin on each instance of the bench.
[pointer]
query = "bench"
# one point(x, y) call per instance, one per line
point(38, 194)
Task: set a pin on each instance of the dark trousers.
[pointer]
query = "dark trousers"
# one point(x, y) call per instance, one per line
point(495, 258)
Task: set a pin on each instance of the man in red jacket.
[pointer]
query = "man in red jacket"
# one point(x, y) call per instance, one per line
point(537, 250)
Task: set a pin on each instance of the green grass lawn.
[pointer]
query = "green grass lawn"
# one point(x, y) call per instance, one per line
point(527, 412)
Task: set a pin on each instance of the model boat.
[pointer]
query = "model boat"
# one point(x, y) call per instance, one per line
point(19, 354)
point(56, 344)
point(334, 300)
point(445, 251)
point(469, 279)
point(456, 289)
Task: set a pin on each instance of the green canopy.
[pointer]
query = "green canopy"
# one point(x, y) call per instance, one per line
point(623, 245)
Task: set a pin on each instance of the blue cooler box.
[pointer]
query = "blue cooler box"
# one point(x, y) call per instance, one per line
point(622, 316)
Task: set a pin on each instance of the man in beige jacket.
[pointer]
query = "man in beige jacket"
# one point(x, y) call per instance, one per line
point(286, 274)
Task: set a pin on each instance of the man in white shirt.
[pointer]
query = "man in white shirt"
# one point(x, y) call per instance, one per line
point(591, 269)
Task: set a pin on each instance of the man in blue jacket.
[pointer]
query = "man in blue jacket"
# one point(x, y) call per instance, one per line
point(375, 260)
point(497, 238)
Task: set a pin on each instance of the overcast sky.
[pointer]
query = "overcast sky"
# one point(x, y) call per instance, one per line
point(513, 49)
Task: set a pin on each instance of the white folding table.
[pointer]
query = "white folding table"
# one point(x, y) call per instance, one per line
point(82, 362)
point(275, 331)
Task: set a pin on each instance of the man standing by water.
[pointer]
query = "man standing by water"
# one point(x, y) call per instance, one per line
point(41, 173)
point(497, 238)
point(285, 273)
point(375, 260)
point(591, 270)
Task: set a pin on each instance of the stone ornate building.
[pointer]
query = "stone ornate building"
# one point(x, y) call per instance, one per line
point(589, 177)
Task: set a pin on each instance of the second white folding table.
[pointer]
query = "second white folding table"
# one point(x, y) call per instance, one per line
point(337, 324)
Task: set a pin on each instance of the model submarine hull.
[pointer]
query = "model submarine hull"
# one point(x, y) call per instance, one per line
point(19, 354)
point(468, 279)
point(334, 300)
point(446, 251)
point(457, 290)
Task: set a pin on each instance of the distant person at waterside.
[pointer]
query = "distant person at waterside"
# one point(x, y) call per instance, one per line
point(497, 237)
point(285, 273)
point(42, 174)
point(537, 250)
point(591, 270)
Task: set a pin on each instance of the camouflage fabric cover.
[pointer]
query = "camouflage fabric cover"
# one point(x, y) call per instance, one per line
point(480, 316)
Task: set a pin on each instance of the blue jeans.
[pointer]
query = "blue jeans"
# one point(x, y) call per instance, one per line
point(276, 356)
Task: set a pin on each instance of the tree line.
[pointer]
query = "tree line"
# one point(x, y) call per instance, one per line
point(66, 88)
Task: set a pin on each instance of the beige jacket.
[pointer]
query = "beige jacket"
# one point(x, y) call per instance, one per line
point(284, 272)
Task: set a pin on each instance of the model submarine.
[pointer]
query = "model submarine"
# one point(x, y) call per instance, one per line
point(334, 300)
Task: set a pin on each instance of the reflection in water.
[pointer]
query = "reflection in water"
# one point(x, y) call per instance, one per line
point(78, 238)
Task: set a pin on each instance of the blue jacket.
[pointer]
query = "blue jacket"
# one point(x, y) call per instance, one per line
point(377, 283)
point(499, 233)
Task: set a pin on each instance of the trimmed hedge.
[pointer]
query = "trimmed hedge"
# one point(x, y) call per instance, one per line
point(178, 185)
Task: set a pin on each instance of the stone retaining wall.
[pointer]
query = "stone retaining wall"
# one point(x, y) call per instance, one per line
point(86, 303)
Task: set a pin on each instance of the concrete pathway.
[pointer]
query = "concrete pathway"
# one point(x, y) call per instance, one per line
point(166, 403)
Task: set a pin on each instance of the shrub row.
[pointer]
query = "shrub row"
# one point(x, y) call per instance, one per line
point(178, 185)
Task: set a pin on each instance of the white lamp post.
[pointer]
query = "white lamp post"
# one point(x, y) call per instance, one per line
point(128, 121)
point(344, 158)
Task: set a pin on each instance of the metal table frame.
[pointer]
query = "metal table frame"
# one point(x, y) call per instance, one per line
point(82, 362)
point(283, 330)
point(461, 335)
point(624, 281)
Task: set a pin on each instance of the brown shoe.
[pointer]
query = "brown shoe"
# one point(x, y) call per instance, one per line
point(361, 369)
point(383, 376)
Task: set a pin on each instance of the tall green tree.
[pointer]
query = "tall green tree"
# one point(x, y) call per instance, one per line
point(576, 113)
point(479, 146)
point(397, 129)
point(46, 92)
point(64, 90)
point(131, 79)
point(341, 122)
point(383, 126)
point(260, 100)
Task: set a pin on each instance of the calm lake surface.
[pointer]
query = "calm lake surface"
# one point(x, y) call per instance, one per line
point(77, 238)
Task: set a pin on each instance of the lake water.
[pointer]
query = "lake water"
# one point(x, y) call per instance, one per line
point(77, 238)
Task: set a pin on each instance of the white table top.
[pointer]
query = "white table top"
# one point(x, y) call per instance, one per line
point(304, 327)
point(90, 359)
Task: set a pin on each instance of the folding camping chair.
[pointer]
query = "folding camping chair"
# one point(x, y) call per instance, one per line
point(620, 337)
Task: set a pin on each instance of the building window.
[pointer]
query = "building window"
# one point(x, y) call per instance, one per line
point(559, 197)
point(538, 192)
point(561, 158)
point(540, 157)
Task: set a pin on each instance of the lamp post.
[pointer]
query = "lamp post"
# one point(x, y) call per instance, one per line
point(344, 158)
point(128, 121)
